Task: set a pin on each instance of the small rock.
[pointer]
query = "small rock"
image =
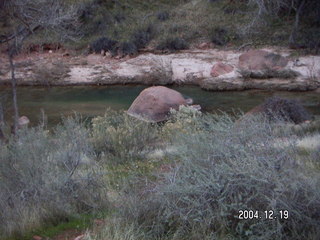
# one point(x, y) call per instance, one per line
point(196, 107)
point(127, 57)
point(189, 101)
point(205, 45)
point(220, 69)
point(108, 54)
point(23, 121)
point(36, 237)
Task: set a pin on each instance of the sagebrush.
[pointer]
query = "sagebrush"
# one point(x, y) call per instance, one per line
point(46, 177)
point(217, 169)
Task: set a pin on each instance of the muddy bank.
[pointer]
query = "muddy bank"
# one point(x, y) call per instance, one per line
point(210, 69)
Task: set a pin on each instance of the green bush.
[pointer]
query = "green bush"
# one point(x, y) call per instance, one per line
point(46, 178)
point(219, 169)
point(120, 137)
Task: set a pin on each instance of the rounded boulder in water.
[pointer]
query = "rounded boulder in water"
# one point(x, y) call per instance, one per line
point(154, 103)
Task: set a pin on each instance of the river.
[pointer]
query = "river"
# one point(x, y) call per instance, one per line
point(92, 101)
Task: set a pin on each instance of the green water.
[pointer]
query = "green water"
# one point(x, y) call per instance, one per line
point(91, 101)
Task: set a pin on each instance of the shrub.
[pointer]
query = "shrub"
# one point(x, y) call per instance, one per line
point(173, 44)
point(163, 15)
point(127, 48)
point(141, 37)
point(119, 17)
point(286, 109)
point(95, 16)
point(120, 137)
point(46, 178)
point(219, 170)
point(103, 43)
point(220, 36)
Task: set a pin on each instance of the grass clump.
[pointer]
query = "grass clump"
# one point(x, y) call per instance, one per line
point(48, 177)
point(218, 169)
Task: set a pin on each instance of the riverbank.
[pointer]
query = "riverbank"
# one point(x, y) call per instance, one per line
point(211, 69)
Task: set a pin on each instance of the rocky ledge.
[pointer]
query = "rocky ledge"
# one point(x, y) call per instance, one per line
point(210, 69)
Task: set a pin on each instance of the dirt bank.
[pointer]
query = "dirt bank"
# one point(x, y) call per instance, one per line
point(186, 67)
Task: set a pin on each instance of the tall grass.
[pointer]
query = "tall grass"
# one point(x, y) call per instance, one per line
point(218, 169)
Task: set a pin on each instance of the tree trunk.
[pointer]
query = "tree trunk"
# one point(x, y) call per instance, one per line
point(14, 95)
point(2, 137)
point(292, 38)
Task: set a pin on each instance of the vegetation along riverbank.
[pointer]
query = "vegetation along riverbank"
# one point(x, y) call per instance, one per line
point(163, 169)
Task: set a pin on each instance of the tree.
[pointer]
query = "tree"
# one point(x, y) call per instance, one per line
point(301, 9)
point(25, 18)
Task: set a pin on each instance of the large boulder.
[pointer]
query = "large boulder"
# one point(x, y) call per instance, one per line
point(260, 60)
point(276, 108)
point(154, 103)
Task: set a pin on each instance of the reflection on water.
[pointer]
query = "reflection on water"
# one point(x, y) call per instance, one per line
point(91, 101)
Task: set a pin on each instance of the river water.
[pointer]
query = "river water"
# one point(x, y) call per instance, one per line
point(92, 101)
